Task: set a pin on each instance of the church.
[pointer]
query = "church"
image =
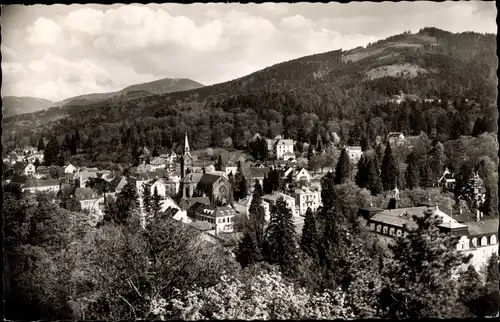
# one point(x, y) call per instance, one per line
point(194, 184)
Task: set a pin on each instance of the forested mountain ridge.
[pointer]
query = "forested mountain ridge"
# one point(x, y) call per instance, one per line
point(161, 86)
point(15, 105)
point(311, 95)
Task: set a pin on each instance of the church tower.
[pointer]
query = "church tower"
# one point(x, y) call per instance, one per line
point(186, 158)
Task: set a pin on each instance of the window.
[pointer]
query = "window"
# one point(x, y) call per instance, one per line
point(493, 240)
point(391, 232)
point(484, 241)
point(379, 228)
point(384, 230)
point(474, 242)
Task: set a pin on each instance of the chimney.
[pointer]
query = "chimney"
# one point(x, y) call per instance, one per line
point(478, 216)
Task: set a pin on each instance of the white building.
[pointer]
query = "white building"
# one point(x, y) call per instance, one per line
point(354, 153)
point(243, 207)
point(222, 218)
point(70, 168)
point(396, 138)
point(307, 198)
point(168, 205)
point(51, 185)
point(278, 147)
point(158, 163)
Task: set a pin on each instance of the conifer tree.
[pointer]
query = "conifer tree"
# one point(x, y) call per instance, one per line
point(219, 164)
point(257, 218)
point(343, 170)
point(412, 174)
point(267, 187)
point(66, 143)
point(438, 161)
point(41, 145)
point(51, 152)
point(36, 163)
point(77, 140)
point(319, 145)
point(281, 237)
point(242, 187)
point(425, 256)
point(258, 188)
point(127, 202)
point(374, 181)
point(147, 199)
point(310, 239)
point(425, 174)
point(389, 170)
point(361, 178)
point(156, 202)
point(247, 252)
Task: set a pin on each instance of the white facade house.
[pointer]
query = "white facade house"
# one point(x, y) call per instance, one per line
point(396, 138)
point(307, 198)
point(278, 147)
point(158, 163)
point(303, 176)
point(222, 218)
point(29, 170)
point(51, 185)
point(70, 168)
point(354, 153)
point(180, 215)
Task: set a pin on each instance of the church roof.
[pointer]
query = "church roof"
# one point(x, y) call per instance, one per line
point(209, 179)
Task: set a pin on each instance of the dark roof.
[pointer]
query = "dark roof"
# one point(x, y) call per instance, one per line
point(192, 177)
point(113, 184)
point(254, 173)
point(171, 211)
point(18, 179)
point(201, 225)
point(209, 179)
point(186, 203)
point(20, 165)
point(483, 227)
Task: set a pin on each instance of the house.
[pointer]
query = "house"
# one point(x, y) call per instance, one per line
point(84, 174)
point(116, 185)
point(25, 169)
point(447, 180)
point(32, 186)
point(278, 146)
point(90, 200)
point(230, 168)
point(302, 176)
point(221, 218)
point(396, 138)
point(158, 163)
point(144, 168)
point(252, 174)
point(210, 168)
point(288, 156)
point(243, 207)
point(479, 238)
point(157, 184)
point(307, 198)
point(354, 153)
point(34, 157)
point(70, 168)
point(169, 206)
point(272, 198)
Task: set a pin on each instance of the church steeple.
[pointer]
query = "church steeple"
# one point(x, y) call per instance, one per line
point(186, 144)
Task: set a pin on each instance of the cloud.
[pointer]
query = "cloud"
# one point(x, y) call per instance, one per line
point(56, 52)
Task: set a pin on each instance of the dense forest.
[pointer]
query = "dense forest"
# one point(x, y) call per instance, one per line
point(321, 93)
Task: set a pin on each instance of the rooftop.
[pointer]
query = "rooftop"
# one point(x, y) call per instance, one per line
point(41, 183)
point(483, 227)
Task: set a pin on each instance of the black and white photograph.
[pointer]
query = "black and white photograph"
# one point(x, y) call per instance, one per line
point(250, 161)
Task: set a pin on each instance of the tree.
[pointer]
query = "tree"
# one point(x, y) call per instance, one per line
point(361, 177)
point(374, 181)
point(36, 163)
point(267, 186)
point(425, 256)
point(389, 170)
point(257, 218)
point(438, 161)
point(259, 149)
point(41, 145)
point(219, 164)
point(258, 188)
point(156, 203)
point(147, 199)
point(127, 203)
point(51, 152)
point(412, 174)
point(247, 252)
point(310, 239)
point(425, 174)
point(281, 237)
point(343, 170)
point(255, 296)
point(242, 187)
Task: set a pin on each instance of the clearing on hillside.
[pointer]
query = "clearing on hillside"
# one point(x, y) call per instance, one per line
point(397, 70)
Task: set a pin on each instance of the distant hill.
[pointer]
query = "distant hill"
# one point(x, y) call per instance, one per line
point(161, 86)
point(326, 92)
point(14, 105)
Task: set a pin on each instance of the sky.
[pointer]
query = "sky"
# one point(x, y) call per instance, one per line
point(60, 51)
